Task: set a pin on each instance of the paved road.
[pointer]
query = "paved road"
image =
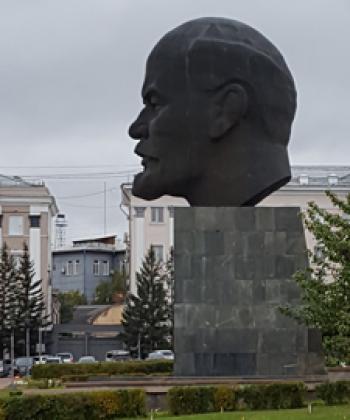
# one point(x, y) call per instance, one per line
point(4, 382)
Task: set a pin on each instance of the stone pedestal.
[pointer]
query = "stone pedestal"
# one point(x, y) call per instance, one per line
point(233, 268)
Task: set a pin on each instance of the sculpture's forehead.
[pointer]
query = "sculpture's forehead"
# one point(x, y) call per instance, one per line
point(166, 68)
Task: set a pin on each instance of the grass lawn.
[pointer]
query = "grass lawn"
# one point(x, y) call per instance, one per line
point(339, 412)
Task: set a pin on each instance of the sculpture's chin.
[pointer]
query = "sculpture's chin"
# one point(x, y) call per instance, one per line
point(144, 188)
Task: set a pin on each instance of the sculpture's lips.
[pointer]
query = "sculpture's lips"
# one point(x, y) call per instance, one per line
point(147, 161)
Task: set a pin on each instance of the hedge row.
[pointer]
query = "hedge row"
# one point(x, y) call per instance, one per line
point(192, 400)
point(77, 406)
point(334, 392)
point(137, 367)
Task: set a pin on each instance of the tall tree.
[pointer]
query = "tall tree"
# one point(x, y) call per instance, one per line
point(170, 278)
point(31, 298)
point(11, 307)
point(68, 300)
point(325, 286)
point(145, 315)
point(110, 291)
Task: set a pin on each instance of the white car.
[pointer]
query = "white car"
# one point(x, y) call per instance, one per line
point(40, 360)
point(161, 354)
point(117, 355)
point(87, 359)
point(66, 357)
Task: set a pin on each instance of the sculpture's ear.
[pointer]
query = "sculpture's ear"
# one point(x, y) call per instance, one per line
point(230, 104)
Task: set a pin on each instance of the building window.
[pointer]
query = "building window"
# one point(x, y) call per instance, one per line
point(100, 268)
point(157, 215)
point(139, 211)
point(95, 267)
point(158, 253)
point(105, 268)
point(15, 225)
point(34, 221)
point(332, 179)
point(76, 267)
point(304, 179)
point(69, 268)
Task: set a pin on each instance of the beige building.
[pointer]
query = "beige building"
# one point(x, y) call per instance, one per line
point(26, 214)
point(151, 223)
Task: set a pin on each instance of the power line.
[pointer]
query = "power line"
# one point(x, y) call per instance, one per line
point(67, 166)
point(86, 195)
point(89, 207)
point(81, 176)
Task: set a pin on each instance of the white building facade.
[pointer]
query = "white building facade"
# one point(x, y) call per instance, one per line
point(26, 214)
point(151, 223)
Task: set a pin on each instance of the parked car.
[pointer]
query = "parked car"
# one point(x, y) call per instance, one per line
point(117, 355)
point(40, 360)
point(87, 359)
point(53, 359)
point(161, 354)
point(66, 357)
point(23, 366)
point(5, 368)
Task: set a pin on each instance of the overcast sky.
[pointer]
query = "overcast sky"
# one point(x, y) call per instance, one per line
point(71, 73)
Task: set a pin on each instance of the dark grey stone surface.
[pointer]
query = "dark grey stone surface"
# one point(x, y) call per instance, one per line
point(233, 268)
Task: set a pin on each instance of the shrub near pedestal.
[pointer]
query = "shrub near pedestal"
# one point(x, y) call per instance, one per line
point(192, 399)
point(103, 368)
point(77, 406)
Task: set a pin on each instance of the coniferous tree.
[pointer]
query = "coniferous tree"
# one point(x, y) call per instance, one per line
point(22, 306)
point(11, 285)
point(3, 277)
point(325, 287)
point(30, 298)
point(170, 277)
point(145, 316)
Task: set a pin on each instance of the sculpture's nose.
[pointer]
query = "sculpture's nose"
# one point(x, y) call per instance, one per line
point(139, 128)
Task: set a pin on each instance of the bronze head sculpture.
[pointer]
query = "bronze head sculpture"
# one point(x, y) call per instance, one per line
point(219, 102)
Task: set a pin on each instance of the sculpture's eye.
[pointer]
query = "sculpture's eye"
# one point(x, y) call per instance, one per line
point(154, 102)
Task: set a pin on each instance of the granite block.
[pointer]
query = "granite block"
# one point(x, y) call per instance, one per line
point(233, 269)
point(265, 219)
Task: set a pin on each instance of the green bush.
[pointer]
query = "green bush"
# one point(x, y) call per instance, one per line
point(272, 396)
point(75, 378)
point(102, 368)
point(77, 406)
point(191, 400)
point(2, 410)
point(225, 398)
point(334, 392)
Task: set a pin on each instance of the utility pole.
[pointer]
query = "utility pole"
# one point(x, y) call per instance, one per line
point(139, 345)
point(40, 340)
point(27, 341)
point(13, 351)
point(104, 208)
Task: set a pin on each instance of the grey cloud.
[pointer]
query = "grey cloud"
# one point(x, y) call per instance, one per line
point(71, 74)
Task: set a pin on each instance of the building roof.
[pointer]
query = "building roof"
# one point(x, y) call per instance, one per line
point(303, 176)
point(16, 181)
point(84, 314)
point(88, 248)
point(110, 316)
point(98, 238)
point(319, 176)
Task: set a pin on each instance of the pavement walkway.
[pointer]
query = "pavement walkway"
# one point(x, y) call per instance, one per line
point(5, 382)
